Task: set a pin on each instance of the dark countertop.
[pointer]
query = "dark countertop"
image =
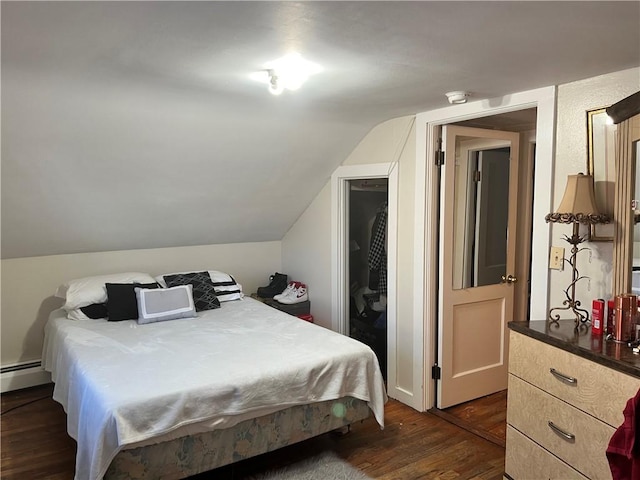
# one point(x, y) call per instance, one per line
point(617, 356)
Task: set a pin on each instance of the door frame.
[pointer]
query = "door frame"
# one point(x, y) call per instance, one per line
point(340, 251)
point(425, 296)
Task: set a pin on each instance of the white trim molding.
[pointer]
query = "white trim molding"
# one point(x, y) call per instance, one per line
point(340, 250)
point(23, 375)
point(426, 208)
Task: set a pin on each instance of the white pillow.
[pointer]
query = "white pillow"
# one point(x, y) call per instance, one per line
point(77, 314)
point(81, 292)
point(225, 286)
point(160, 304)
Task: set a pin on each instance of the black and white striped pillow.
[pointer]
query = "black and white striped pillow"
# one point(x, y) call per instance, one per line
point(225, 286)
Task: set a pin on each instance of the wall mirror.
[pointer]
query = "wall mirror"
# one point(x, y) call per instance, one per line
point(635, 205)
point(601, 147)
point(626, 114)
point(629, 214)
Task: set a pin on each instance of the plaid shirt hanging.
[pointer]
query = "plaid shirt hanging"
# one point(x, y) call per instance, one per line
point(377, 252)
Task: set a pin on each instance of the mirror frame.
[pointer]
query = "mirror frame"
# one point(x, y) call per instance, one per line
point(624, 217)
point(601, 166)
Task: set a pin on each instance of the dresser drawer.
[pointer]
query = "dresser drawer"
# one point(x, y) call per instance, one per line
point(598, 390)
point(530, 411)
point(525, 459)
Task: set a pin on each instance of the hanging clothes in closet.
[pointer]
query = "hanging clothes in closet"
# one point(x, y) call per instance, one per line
point(377, 251)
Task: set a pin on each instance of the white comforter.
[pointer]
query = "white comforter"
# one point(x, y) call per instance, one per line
point(123, 384)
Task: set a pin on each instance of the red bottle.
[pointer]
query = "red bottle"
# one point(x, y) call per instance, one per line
point(597, 316)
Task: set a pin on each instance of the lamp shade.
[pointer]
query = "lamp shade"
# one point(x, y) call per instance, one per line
point(579, 196)
point(578, 204)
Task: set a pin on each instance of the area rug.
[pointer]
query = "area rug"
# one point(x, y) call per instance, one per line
point(324, 466)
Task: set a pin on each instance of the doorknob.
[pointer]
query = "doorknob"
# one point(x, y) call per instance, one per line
point(509, 279)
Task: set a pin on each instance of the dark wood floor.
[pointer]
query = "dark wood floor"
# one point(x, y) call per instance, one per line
point(412, 446)
point(486, 417)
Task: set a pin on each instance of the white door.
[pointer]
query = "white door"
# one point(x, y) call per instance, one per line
point(478, 259)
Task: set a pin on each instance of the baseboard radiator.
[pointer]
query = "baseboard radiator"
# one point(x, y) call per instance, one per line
point(23, 375)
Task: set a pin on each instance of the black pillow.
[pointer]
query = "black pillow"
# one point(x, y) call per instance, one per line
point(95, 311)
point(204, 294)
point(121, 300)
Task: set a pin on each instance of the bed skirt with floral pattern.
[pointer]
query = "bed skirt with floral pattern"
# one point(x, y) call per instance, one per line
point(198, 453)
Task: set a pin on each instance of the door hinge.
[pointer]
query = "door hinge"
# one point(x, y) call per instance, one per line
point(439, 154)
point(435, 372)
point(477, 176)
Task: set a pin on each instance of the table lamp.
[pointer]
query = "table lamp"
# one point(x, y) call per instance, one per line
point(578, 206)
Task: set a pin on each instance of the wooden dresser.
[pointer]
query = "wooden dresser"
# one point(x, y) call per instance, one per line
point(567, 392)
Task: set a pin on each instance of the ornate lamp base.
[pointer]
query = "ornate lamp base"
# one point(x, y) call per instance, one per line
point(571, 304)
point(581, 315)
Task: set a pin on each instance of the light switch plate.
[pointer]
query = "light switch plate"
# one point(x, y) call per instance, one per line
point(556, 258)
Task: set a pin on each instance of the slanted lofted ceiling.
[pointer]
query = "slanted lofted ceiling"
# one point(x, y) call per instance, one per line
point(132, 125)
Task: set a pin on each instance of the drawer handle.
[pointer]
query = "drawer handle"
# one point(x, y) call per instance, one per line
point(562, 377)
point(569, 437)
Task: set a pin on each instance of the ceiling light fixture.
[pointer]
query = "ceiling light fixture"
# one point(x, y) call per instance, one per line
point(288, 72)
point(457, 97)
point(275, 87)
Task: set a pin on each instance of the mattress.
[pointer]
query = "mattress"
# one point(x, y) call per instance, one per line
point(125, 385)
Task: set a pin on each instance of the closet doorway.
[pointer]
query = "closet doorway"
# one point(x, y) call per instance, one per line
point(367, 259)
point(363, 186)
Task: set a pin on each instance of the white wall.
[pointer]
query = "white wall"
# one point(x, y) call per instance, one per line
point(28, 284)
point(306, 254)
point(573, 102)
point(306, 248)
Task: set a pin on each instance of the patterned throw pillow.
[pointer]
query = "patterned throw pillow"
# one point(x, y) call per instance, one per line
point(204, 294)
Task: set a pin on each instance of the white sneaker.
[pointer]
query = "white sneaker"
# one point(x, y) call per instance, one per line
point(296, 296)
point(290, 288)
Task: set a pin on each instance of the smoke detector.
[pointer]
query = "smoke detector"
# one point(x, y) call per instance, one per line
point(457, 97)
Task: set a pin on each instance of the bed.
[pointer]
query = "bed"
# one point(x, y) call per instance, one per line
point(176, 398)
